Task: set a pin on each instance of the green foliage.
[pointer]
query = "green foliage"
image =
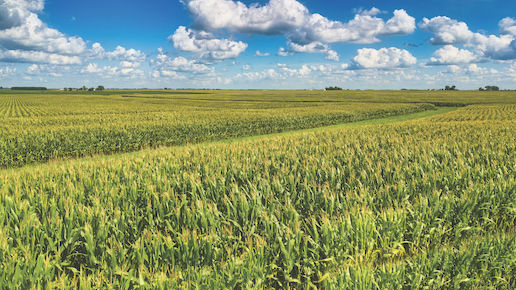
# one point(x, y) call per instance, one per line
point(427, 203)
point(39, 128)
point(29, 88)
point(492, 88)
point(480, 113)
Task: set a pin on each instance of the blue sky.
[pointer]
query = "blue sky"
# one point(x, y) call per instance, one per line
point(276, 44)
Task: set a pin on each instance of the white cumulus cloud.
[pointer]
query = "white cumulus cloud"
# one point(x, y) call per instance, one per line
point(294, 20)
point(180, 64)
point(38, 57)
point(332, 55)
point(15, 12)
point(123, 54)
point(447, 31)
point(119, 53)
point(112, 71)
point(453, 68)
point(46, 69)
point(475, 69)
point(32, 69)
point(35, 35)
point(259, 53)
point(276, 17)
point(383, 58)
point(24, 37)
point(206, 44)
point(495, 47)
point(92, 68)
point(363, 28)
point(450, 54)
point(7, 71)
point(507, 26)
point(129, 58)
point(97, 51)
point(304, 70)
point(282, 72)
point(471, 70)
point(168, 74)
point(315, 47)
point(283, 52)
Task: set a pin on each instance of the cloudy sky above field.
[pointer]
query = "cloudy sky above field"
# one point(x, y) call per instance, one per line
point(283, 44)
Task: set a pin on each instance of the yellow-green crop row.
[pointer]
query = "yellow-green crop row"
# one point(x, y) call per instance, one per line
point(419, 204)
point(480, 113)
point(39, 128)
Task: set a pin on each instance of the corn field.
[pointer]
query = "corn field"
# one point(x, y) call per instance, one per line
point(42, 128)
point(428, 203)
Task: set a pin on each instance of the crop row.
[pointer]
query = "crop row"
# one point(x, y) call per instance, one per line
point(43, 138)
point(15, 107)
point(411, 205)
point(480, 113)
point(439, 98)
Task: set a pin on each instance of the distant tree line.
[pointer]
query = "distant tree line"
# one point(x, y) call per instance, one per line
point(486, 88)
point(489, 88)
point(29, 88)
point(335, 88)
point(84, 88)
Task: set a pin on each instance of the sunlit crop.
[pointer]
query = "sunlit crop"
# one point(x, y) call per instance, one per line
point(38, 128)
point(428, 203)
